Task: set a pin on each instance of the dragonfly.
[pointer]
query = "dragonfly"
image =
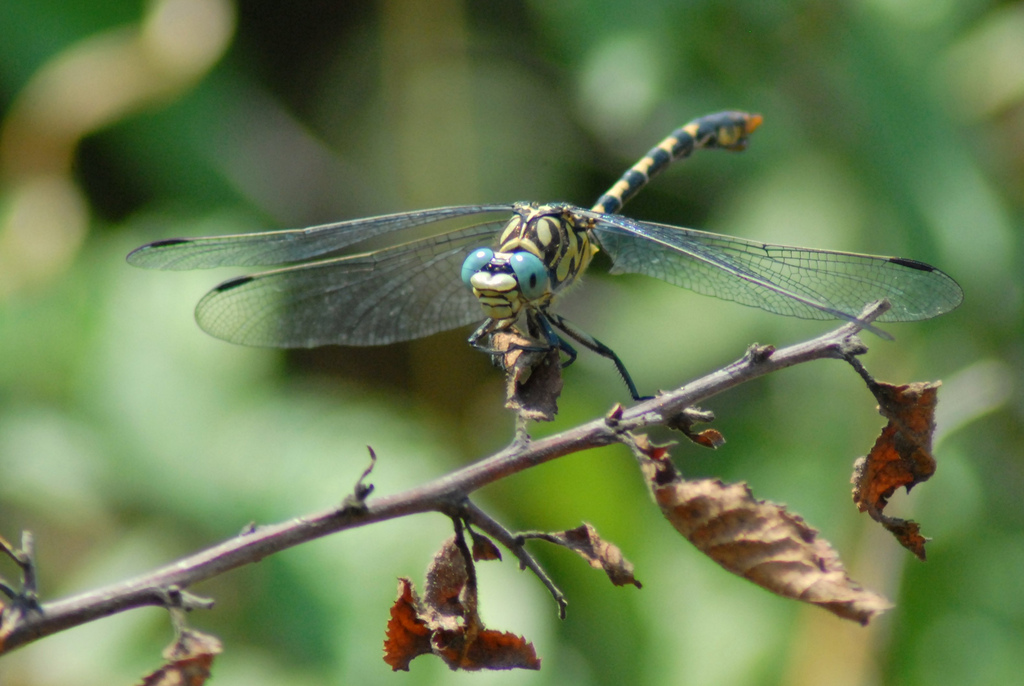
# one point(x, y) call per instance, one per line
point(398, 277)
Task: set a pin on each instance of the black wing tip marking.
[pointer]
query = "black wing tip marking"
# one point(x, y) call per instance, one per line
point(913, 264)
point(165, 242)
point(948, 293)
point(231, 284)
point(135, 256)
point(156, 245)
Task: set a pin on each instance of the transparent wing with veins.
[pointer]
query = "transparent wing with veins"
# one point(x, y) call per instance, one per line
point(394, 294)
point(787, 280)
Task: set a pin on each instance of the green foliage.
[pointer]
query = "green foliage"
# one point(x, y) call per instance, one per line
point(128, 438)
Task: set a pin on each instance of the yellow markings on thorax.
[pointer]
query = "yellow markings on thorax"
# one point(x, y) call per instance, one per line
point(519, 243)
point(552, 233)
point(546, 229)
point(512, 227)
point(557, 236)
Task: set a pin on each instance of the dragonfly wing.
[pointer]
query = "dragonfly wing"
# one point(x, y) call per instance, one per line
point(396, 294)
point(799, 282)
point(296, 245)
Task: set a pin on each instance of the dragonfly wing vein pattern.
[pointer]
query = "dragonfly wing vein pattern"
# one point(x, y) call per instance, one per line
point(788, 280)
point(515, 259)
point(391, 295)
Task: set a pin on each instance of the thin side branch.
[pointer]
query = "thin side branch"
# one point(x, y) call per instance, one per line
point(445, 494)
point(515, 543)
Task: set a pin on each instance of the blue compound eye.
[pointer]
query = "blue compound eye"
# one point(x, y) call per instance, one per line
point(475, 262)
point(531, 274)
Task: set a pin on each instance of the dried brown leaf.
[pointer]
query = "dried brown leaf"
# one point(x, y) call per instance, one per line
point(760, 541)
point(601, 554)
point(189, 660)
point(690, 416)
point(655, 451)
point(488, 650)
point(484, 548)
point(448, 598)
point(907, 532)
point(407, 635)
point(709, 438)
point(533, 380)
point(901, 456)
point(446, 622)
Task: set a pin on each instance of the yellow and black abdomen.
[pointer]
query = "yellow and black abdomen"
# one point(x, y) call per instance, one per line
point(726, 130)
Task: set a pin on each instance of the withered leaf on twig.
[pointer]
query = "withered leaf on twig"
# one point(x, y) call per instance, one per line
point(447, 624)
point(484, 548)
point(758, 540)
point(189, 660)
point(407, 636)
point(684, 421)
point(601, 554)
point(533, 380)
point(709, 438)
point(901, 456)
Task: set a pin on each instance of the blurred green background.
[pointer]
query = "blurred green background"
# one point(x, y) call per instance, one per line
point(128, 438)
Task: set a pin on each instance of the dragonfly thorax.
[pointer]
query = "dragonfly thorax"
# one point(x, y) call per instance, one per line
point(542, 249)
point(556, 233)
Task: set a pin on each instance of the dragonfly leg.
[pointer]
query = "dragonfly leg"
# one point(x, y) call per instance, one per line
point(484, 329)
point(539, 323)
point(597, 346)
point(490, 327)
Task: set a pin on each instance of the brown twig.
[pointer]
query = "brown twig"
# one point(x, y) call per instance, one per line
point(485, 522)
point(446, 494)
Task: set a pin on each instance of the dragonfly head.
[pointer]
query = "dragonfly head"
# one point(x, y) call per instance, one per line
point(506, 282)
point(542, 249)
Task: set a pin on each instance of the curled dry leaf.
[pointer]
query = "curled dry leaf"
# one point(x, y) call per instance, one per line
point(189, 660)
point(709, 438)
point(447, 624)
point(685, 421)
point(902, 456)
point(533, 380)
point(450, 595)
point(485, 650)
point(407, 635)
point(484, 548)
point(601, 554)
point(759, 541)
